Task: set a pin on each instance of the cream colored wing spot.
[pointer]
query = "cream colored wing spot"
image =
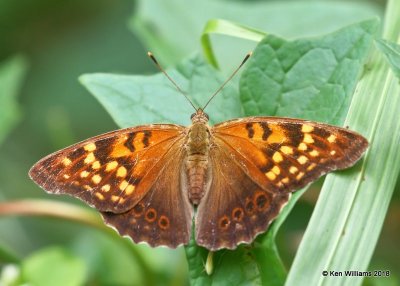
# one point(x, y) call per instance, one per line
point(308, 139)
point(302, 159)
point(96, 165)
point(331, 138)
point(90, 147)
point(302, 146)
point(90, 158)
point(286, 150)
point(293, 170)
point(115, 198)
point(99, 196)
point(87, 187)
point(106, 188)
point(314, 153)
point(129, 189)
point(121, 172)
point(111, 166)
point(277, 157)
point(299, 175)
point(312, 166)
point(123, 185)
point(276, 170)
point(270, 175)
point(66, 162)
point(84, 174)
point(96, 179)
point(65, 176)
point(285, 180)
point(333, 152)
point(305, 128)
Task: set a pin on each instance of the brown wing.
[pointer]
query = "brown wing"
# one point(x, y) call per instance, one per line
point(256, 163)
point(164, 215)
point(111, 172)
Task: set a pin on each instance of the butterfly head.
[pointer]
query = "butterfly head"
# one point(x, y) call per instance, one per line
point(199, 116)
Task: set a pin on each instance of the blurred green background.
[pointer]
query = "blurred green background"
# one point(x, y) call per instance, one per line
point(57, 41)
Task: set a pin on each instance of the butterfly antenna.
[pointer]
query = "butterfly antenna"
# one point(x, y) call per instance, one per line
point(151, 56)
point(229, 78)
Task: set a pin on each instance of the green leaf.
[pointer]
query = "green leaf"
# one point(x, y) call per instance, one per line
point(53, 266)
point(145, 99)
point(133, 100)
point(228, 267)
point(172, 29)
point(258, 264)
point(351, 46)
point(7, 255)
point(11, 75)
point(223, 27)
point(105, 253)
point(271, 268)
point(392, 52)
point(306, 78)
point(350, 212)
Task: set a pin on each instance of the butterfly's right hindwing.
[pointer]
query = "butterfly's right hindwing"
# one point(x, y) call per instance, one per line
point(164, 215)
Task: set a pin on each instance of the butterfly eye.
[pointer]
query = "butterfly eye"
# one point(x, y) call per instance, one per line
point(191, 116)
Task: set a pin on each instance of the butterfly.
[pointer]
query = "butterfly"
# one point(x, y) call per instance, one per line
point(233, 178)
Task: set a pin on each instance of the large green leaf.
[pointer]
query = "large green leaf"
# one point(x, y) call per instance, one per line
point(11, 74)
point(133, 100)
point(53, 266)
point(306, 78)
point(172, 28)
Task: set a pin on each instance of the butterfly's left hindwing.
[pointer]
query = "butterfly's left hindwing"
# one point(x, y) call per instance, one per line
point(238, 205)
point(111, 172)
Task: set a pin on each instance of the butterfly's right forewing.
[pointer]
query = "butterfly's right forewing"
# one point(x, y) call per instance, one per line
point(110, 172)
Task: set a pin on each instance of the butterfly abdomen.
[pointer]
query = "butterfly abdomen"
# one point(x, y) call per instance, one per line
point(197, 164)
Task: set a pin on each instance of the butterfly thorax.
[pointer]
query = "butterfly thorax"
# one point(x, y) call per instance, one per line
point(197, 148)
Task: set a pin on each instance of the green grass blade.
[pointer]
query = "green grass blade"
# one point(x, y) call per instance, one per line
point(227, 28)
point(392, 53)
point(12, 73)
point(349, 215)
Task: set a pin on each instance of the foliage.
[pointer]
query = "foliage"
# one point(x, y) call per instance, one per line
point(307, 77)
point(11, 75)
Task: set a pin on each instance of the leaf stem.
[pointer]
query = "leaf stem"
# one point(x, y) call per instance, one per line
point(66, 211)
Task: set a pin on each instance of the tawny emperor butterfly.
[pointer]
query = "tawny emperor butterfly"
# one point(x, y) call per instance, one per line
point(147, 180)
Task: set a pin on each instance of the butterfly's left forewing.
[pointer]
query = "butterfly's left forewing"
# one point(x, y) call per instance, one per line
point(291, 153)
point(256, 162)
